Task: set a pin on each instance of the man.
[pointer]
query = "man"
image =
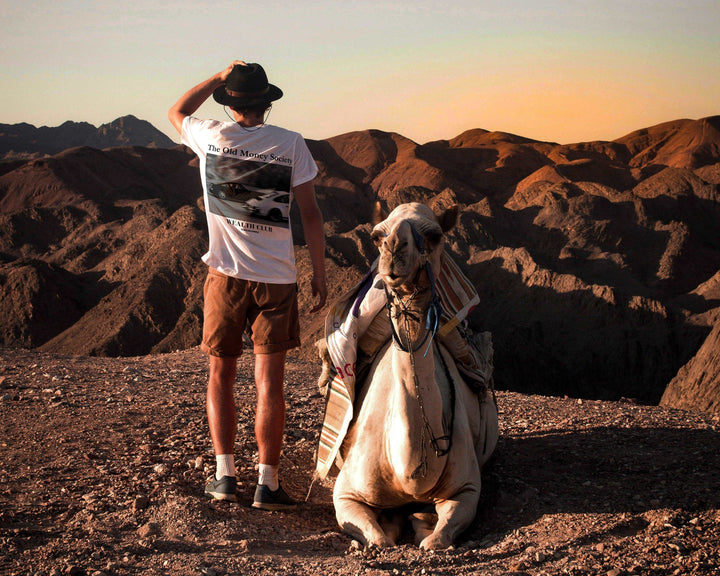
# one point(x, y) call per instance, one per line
point(252, 278)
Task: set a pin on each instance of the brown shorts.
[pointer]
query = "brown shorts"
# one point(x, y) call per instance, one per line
point(231, 304)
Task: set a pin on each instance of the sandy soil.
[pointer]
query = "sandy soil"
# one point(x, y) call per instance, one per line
point(103, 462)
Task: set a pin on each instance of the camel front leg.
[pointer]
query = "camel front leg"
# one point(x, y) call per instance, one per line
point(360, 521)
point(454, 516)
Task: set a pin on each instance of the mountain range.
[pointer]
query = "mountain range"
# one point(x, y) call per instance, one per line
point(25, 141)
point(597, 263)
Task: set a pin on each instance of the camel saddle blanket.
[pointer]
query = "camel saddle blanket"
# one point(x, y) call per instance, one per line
point(346, 322)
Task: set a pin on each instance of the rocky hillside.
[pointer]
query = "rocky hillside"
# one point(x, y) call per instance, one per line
point(597, 263)
point(23, 141)
point(103, 463)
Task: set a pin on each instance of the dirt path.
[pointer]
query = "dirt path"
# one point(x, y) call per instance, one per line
point(102, 464)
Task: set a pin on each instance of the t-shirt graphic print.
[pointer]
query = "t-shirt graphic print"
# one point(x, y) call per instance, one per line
point(248, 191)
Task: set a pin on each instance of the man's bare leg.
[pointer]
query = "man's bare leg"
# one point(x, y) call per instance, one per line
point(269, 430)
point(222, 420)
point(221, 412)
point(270, 415)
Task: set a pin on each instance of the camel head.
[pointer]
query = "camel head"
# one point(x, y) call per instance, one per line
point(400, 257)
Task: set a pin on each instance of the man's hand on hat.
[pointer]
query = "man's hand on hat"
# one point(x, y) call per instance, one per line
point(224, 74)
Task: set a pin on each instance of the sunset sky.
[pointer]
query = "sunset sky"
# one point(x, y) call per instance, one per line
point(560, 70)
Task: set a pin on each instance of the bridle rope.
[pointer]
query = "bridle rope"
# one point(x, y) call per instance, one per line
point(403, 312)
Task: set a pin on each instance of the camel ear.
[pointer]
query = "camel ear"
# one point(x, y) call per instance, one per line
point(448, 218)
point(378, 214)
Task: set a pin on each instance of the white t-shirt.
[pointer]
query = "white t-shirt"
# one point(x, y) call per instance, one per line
point(247, 177)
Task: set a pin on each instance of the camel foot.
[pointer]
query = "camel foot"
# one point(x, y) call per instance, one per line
point(423, 524)
point(392, 525)
point(436, 542)
point(383, 542)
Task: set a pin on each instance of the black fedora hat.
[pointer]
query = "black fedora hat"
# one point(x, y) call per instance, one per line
point(246, 85)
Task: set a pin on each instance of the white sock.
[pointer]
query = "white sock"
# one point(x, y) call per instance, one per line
point(268, 476)
point(224, 465)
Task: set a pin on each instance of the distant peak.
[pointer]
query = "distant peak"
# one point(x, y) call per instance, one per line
point(127, 120)
point(478, 137)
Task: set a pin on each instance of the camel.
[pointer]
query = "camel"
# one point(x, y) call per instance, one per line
point(419, 435)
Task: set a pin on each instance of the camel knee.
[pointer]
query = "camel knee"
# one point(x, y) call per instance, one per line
point(454, 516)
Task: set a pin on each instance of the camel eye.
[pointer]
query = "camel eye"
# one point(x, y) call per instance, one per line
point(433, 239)
point(377, 237)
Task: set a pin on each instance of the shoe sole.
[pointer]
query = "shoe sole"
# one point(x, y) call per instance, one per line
point(221, 496)
point(272, 507)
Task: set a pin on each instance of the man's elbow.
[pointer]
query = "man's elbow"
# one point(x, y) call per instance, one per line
point(176, 119)
point(312, 215)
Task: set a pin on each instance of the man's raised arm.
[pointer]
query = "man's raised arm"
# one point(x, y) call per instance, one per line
point(194, 98)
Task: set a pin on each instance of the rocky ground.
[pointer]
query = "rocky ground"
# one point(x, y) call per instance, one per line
point(103, 460)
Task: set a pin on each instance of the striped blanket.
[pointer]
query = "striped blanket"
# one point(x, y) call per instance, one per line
point(346, 322)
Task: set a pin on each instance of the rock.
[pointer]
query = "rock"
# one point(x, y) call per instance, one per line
point(697, 384)
point(149, 529)
point(549, 327)
point(140, 503)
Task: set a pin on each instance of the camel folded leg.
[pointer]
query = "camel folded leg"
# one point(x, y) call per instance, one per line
point(454, 516)
point(360, 521)
point(423, 524)
point(391, 522)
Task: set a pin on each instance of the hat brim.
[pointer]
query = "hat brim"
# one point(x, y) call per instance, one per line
point(221, 96)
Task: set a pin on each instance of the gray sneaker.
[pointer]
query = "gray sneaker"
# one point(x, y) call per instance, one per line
point(266, 499)
point(223, 489)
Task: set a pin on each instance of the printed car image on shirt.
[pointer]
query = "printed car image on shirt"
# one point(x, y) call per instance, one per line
point(248, 191)
point(274, 206)
point(235, 191)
